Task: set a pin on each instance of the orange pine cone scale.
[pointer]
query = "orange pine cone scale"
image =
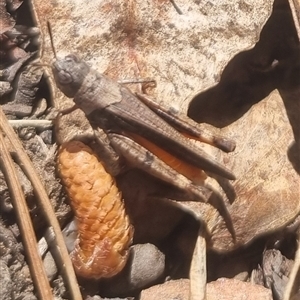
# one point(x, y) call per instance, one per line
point(104, 229)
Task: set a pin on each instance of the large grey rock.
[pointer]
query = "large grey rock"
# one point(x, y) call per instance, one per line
point(145, 266)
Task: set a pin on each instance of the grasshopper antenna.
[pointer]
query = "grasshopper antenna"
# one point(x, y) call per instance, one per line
point(52, 47)
point(51, 38)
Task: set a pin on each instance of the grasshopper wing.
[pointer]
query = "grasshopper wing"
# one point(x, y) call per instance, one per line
point(131, 115)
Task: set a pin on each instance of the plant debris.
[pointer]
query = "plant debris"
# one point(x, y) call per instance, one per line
point(240, 63)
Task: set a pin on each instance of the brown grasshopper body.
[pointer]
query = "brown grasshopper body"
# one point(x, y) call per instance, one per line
point(123, 116)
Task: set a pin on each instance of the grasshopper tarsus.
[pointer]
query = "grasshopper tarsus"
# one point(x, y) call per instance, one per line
point(224, 144)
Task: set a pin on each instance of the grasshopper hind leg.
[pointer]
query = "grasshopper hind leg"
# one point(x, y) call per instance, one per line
point(187, 126)
point(139, 157)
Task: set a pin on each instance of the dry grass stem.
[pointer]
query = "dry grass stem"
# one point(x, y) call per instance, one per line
point(35, 262)
point(44, 203)
point(43, 124)
point(198, 278)
point(291, 286)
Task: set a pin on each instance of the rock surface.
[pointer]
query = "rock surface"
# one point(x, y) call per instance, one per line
point(222, 289)
point(189, 48)
point(186, 51)
point(232, 289)
point(171, 290)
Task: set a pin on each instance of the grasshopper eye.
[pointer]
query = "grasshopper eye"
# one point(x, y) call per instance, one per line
point(72, 57)
point(64, 77)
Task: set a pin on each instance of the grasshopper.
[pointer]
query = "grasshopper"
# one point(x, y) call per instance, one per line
point(138, 129)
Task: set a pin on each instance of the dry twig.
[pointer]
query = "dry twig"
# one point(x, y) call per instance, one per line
point(44, 203)
point(291, 286)
point(198, 268)
point(35, 262)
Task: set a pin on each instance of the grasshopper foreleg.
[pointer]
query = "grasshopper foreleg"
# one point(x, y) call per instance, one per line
point(106, 153)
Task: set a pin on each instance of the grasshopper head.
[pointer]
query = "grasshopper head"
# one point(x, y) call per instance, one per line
point(69, 73)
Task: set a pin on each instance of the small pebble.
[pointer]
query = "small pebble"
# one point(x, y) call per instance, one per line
point(145, 266)
point(5, 281)
point(50, 266)
point(148, 265)
point(5, 88)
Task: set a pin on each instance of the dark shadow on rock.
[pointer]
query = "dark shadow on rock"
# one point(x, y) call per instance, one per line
point(179, 247)
point(291, 99)
point(251, 75)
point(294, 156)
